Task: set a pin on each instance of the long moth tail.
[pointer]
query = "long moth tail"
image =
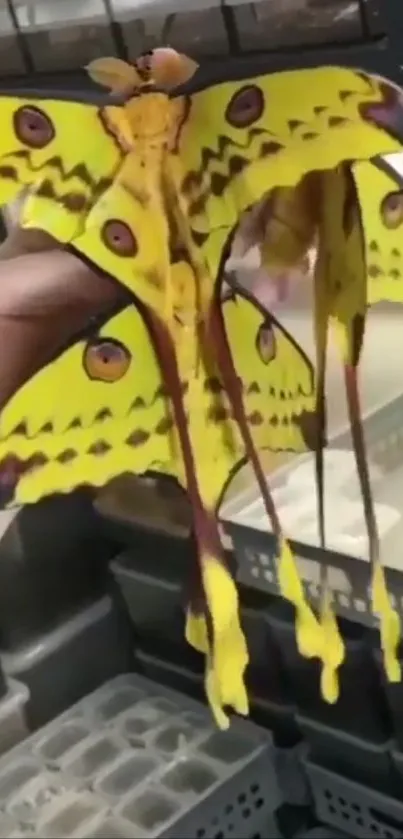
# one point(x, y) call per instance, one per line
point(309, 636)
point(333, 647)
point(214, 629)
point(321, 340)
point(348, 303)
point(381, 604)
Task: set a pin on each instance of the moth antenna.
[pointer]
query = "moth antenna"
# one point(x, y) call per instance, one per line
point(118, 76)
point(217, 631)
point(169, 68)
point(308, 631)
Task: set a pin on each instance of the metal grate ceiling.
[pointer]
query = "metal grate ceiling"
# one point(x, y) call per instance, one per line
point(48, 36)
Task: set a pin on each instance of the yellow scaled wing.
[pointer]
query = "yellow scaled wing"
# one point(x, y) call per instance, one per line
point(115, 417)
point(95, 412)
point(219, 150)
point(277, 377)
point(242, 139)
point(381, 200)
point(62, 150)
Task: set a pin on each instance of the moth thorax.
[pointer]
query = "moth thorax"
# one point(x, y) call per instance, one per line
point(149, 116)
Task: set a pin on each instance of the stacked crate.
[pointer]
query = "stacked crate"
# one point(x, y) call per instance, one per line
point(346, 759)
point(61, 630)
point(151, 574)
point(135, 759)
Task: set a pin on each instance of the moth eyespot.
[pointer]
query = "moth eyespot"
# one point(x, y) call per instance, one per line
point(33, 127)
point(245, 107)
point(119, 238)
point(106, 360)
point(392, 210)
point(266, 343)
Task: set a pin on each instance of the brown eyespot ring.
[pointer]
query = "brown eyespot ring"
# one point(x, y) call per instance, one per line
point(106, 360)
point(392, 210)
point(118, 238)
point(245, 107)
point(33, 127)
point(266, 343)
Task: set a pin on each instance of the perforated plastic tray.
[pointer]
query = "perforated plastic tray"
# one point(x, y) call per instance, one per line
point(352, 808)
point(134, 759)
point(293, 487)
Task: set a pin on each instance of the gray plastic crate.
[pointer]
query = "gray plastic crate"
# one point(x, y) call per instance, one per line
point(135, 759)
point(81, 653)
point(355, 809)
point(293, 486)
point(291, 776)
